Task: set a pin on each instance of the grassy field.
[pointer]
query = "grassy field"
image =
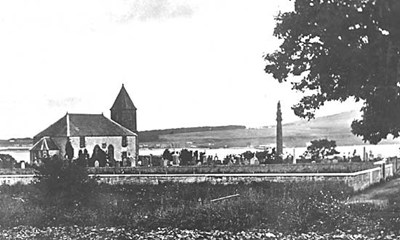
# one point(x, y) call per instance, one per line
point(198, 211)
point(284, 207)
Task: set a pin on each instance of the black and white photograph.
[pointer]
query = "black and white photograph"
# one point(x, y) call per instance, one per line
point(200, 119)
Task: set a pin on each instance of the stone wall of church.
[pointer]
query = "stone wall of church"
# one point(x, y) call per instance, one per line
point(103, 142)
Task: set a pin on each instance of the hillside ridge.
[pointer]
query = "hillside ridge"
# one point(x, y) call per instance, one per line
point(295, 134)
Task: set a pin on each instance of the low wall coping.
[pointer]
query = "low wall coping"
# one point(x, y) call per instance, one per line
point(219, 174)
point(17, 175)
point(242, 174)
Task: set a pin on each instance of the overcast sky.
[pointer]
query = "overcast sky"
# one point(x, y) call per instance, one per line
point(184, 63)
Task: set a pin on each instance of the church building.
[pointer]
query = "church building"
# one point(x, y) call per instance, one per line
point(94, 138)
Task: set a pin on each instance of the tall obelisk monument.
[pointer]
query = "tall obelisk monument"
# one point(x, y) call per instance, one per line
point(279, 140)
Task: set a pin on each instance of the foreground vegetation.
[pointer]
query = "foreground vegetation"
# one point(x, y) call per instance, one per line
point(65, 203)
point(284, 207)
point(76, 232)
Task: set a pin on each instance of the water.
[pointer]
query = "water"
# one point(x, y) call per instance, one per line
point(20, 154)
point(387, 150)
point(384, 150)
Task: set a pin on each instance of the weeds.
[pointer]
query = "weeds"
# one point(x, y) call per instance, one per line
point(283, 206)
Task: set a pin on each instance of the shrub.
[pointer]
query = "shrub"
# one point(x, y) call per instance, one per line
point(167, 155)
point(319, 149)
point(186, 157)
point(7, 161)
point(64, 183)
point(248, 155)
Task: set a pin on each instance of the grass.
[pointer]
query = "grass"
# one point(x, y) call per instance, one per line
point(287, 207)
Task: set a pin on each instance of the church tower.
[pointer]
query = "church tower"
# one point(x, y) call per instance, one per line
point(123, 111)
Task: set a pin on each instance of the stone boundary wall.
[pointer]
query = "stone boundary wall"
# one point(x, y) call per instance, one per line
point(16, 171)
point(263, 168)
point(11, 179)
point(267, 168)
point(357, 180)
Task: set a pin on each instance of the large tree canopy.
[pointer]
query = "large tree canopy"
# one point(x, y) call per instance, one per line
point(340, 49)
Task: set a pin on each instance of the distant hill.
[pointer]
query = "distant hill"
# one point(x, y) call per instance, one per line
point(16, 142)
point(335, 127)
point(154, 135)
point(296, 134)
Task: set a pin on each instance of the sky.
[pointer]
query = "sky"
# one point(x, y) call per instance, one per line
point(185, 63)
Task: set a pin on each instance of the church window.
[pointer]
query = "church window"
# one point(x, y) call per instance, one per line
point(124, 141)
point(110, 152)
point(82, 143)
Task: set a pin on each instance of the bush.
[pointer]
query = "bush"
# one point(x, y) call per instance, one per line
point(321, 148)
point(64, 183)
point(7, 161)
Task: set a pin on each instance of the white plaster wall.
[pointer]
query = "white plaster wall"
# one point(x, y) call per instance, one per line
point(116, 141)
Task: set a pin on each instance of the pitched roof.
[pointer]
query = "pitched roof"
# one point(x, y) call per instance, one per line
point(85, 125)
point(45, 143)
point(123, 101)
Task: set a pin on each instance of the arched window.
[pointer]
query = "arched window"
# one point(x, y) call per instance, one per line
point(124, 141)
point(110, 152)
point(82, 142)
point(99, 155)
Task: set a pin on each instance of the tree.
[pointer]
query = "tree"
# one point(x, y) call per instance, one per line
point(333, 50)
point(319, 149)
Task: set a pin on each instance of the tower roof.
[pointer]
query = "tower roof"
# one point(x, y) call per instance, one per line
point(123, 101)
